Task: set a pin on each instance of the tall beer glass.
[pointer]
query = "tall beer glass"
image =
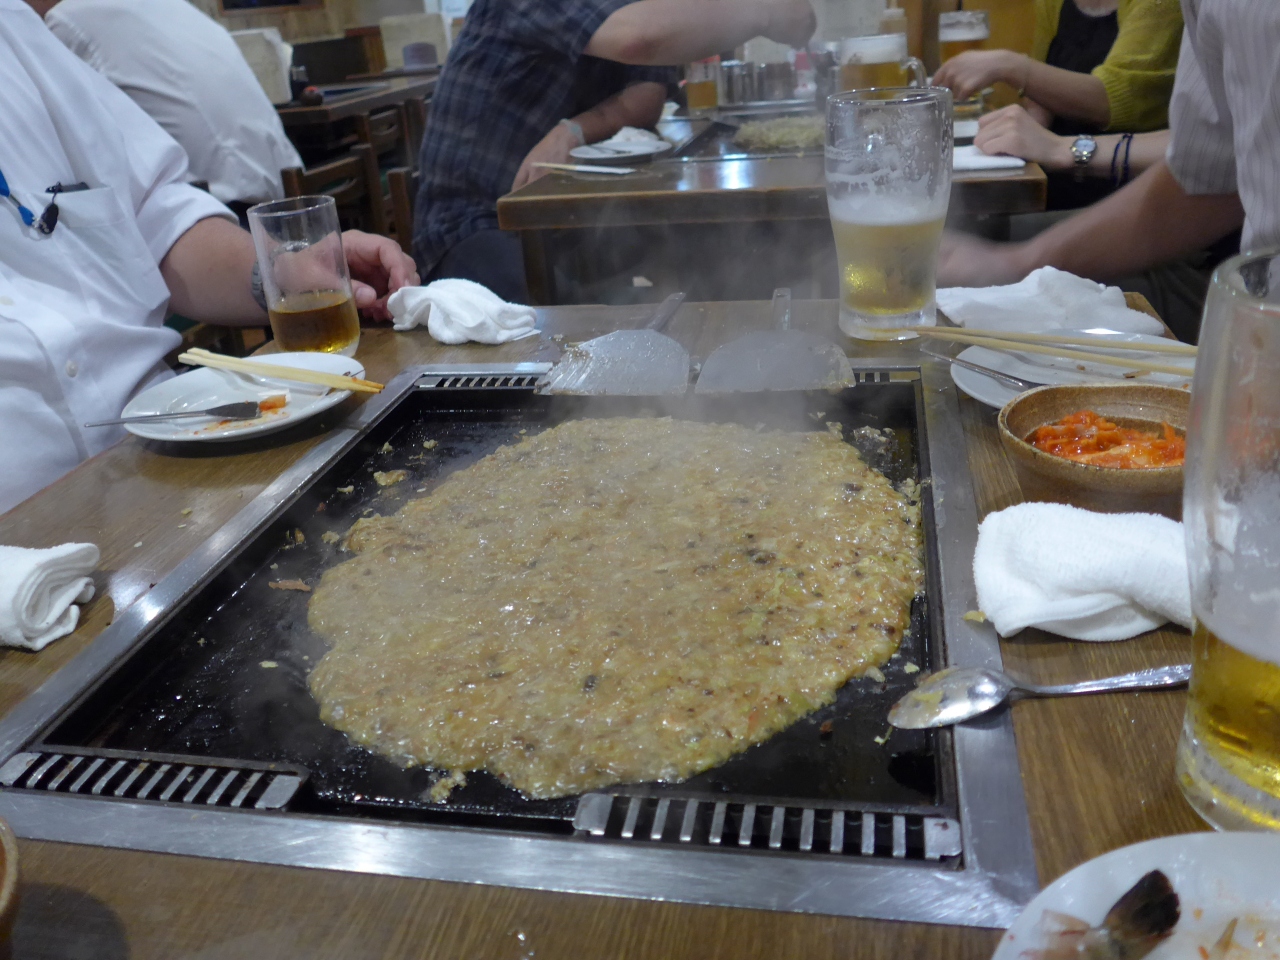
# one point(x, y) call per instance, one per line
point(878, 61)
point(1229, 753)
point(304, 275)
point(888, 161)
point(958, 32)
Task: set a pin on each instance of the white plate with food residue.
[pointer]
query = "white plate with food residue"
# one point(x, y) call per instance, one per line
point(205, 387)
point(1218, 877)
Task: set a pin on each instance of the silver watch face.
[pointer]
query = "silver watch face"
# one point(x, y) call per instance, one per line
point(1083, 149)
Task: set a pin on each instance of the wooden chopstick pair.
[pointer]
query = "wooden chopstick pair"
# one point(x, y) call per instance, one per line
point(206, 358)
point(1045, 344)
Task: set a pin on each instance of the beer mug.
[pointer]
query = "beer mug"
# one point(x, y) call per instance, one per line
point(304, 275)
point(958, 32)
point(888, 165)
point(1229, 753)
point(702, 85)
point(878, 61)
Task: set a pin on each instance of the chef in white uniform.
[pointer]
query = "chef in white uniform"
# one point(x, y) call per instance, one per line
point(82, 308)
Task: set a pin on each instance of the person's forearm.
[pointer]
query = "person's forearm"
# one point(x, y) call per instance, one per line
point(208, 274)
point(639, 105)
point(672, 32)
point(1151, 221)
point(1063, 93)
point(1145, 151)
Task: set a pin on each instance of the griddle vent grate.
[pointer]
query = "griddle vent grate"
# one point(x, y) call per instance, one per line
point(749, 826)
point(509, 381)
point(164, 779)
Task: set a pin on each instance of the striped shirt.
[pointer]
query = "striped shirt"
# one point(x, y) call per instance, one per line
point(516, 69)
point(1225, 111)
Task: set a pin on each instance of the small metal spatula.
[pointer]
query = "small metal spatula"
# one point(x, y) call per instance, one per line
point(777, 359)
point(627, 363)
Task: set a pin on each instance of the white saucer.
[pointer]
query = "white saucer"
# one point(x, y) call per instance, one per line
point(206, 387)
point(1217, 876)
point(628, 151)
point(1057, 370)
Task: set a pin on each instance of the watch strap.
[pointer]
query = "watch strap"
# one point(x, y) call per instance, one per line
point(576, 129)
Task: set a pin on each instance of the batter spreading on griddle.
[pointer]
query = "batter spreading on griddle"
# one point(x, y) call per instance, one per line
point(616, 600)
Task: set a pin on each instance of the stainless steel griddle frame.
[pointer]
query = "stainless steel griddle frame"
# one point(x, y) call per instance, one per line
point(996, 879)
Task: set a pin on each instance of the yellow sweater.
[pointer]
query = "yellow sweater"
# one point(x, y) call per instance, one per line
point(1138, 72)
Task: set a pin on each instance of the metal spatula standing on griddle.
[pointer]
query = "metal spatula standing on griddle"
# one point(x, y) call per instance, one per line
point(626, 363)
point(777, 359)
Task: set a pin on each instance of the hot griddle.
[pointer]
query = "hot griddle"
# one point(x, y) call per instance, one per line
point(716, 140)
point(226, 677)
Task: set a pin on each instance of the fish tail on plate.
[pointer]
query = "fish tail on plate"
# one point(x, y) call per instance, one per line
point(1143, 916)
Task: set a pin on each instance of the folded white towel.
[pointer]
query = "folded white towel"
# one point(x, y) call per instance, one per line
point(971, 158)
point(39, 590)
point(456, 311)
point(1046, 299)
point(634, 135)
point(1084, 575)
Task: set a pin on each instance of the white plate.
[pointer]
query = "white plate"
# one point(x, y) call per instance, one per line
point(206, 387)
point(1058, 370)
point(625, 152)
point(1217, 876)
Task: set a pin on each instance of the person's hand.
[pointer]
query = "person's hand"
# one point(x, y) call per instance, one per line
point(966, 261)
point(791, 22)
point(975, 70)
point(378, 269)
point(1012, 131)
point(553, 148)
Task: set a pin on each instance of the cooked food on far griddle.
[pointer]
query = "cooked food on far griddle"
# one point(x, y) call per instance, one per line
point(782, 133)
point(616, 600)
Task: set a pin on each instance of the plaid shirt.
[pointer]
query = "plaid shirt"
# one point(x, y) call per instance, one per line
point(516, 69)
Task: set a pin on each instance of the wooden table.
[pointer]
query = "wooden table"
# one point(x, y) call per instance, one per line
point(1098, 771)
point(322, 131)
point(700, 211)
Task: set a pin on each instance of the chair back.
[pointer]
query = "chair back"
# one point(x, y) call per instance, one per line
point(409, 28)
point(402, 186)
point(386, 131)
point(352, 181)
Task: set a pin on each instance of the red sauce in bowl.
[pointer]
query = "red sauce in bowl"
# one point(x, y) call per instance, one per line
point(1086, 437)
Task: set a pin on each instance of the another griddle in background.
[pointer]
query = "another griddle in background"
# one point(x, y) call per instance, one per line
point(226, 676)
point(713, 139)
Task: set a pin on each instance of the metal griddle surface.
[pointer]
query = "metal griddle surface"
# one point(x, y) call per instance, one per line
point(716, 140)
point(226, 677)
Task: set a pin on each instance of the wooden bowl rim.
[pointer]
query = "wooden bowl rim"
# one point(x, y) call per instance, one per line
point(9, 882)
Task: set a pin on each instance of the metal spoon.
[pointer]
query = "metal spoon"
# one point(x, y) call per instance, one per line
point(241, 410)
point(960, 693)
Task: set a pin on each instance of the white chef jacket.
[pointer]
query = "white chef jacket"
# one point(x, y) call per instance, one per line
point(82, 310)
point(187, 72)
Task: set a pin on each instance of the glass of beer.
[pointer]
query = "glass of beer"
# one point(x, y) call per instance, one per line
point(304, 275)
point(702, 85)
point(958, 32)
point(888, 164)
point(878, 61)
point(1229, 754)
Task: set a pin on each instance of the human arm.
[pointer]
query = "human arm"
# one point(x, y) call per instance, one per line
point(672, 32)
point(208, 272)
point(1012, 130)
point(1081, 96)
point(1150, 221)
point(639, 105)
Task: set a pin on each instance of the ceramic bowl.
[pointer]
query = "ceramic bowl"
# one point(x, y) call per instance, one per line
point(1106, 489)
point(8, 885)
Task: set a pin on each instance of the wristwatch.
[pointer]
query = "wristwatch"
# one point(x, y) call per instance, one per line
point(1082, 150)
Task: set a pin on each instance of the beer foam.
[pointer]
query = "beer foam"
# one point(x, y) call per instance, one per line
point(955, 33)
point(883, 211)
point(881, 48)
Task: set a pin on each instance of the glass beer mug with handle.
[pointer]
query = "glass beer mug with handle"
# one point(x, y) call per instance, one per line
point(888, 166)
point(1229, 753)
point(304, 275)
point(878, 61)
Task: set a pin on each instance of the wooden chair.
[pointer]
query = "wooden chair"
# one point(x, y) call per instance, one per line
point(353, 182)
point(402, 189)
point(387, 132)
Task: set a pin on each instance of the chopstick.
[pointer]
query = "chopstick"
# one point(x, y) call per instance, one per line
point(205, 358)
point(999, 343)
point(585, 168)
point(1181, 349)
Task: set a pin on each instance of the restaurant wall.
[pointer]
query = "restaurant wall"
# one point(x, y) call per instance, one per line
point(329, 20)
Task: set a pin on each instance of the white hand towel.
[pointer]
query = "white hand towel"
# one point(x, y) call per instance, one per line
point(1079, 574)
point(971, 158)
point(456, 311)
point(1046, 299)
point(39, 590)
point(634, 135)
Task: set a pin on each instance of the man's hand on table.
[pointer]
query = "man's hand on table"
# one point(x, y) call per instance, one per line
point(966, 261)
point(1013, 131)
point(378, 269)
point(553, 148)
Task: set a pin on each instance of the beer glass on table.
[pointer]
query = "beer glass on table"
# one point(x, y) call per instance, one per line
point(702, 85)
point(304, 275)
point(878, 61)
point(960, 31)
point(888, 165)
point(1229, 753)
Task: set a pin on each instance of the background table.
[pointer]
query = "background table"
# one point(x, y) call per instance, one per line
point(717, 229)
point(323, 131)
point(1098, 771)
